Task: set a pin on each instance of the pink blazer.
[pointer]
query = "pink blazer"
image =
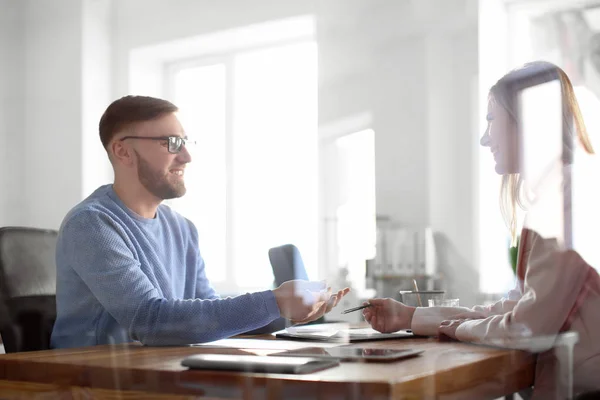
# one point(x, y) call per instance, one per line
point(556, 291)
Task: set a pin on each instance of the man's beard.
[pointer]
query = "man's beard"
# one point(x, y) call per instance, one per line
point(158, 183)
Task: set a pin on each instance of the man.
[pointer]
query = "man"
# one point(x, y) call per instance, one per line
point(129, 268)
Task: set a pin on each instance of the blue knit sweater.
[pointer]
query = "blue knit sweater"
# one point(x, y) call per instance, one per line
point(121, 277)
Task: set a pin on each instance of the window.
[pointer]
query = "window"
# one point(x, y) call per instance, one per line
point(348, 182)
point(252, 184)
point(200, 94)
point(355, 216)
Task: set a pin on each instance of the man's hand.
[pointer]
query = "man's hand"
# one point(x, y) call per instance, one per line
point(303, 301)
point(388, 315)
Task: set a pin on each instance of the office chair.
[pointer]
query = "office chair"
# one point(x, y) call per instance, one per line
point(27, 288)
point(287, 265)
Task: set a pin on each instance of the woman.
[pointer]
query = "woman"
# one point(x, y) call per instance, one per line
point(556, 290)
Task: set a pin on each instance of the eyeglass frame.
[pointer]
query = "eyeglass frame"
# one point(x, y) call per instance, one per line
point(169, 139)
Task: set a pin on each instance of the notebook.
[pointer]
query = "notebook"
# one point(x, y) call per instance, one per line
point(343, 335)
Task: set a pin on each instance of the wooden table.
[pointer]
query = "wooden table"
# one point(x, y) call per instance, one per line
point(445, 370)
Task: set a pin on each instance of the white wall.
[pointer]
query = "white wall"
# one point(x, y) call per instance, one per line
point(55, 83)
point(96, 80)
point(390, 87)
point(374, 58)
point(52, 123)
point(11, 110)
point(139, 23)
point(452, 156)
point(413, 67)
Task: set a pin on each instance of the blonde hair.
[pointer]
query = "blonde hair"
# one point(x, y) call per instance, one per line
point(512, 193)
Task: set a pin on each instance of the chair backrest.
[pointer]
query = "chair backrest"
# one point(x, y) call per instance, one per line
point(27, 287)
point(287, 263)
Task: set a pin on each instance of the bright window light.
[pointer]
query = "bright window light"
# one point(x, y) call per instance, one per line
point(274, 158)
point(253, 181)
point(200, 94)
point(356, 219)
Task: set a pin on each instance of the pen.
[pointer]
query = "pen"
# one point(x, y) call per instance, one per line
point(355, 308)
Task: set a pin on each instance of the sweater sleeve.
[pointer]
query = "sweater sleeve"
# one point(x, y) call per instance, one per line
point(204, 289)
point(101, 253)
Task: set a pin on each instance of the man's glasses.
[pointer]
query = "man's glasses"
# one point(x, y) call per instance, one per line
point(174, 143)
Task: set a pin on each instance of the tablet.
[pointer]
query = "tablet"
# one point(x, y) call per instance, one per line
point(279, 365)
point(352, 353)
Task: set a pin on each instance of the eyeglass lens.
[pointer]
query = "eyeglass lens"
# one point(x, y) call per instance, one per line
point(175, 144)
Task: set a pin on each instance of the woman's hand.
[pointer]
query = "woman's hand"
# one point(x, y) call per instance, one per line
point(388, 315)
point(447, 329)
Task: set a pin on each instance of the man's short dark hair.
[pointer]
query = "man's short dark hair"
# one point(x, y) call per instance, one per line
point(129, 110)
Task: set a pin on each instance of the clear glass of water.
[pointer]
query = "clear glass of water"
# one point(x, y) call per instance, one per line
point(443, 303)
point(420, 298)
